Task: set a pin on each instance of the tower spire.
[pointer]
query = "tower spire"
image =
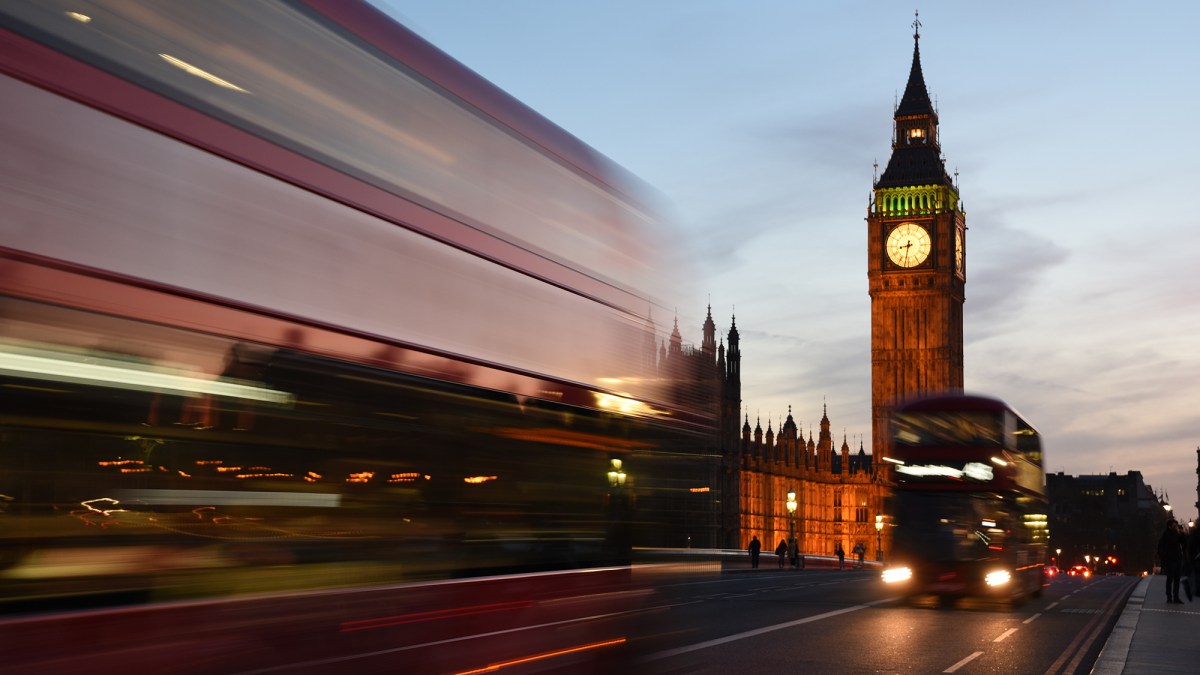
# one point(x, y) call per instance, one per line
point(916, 150)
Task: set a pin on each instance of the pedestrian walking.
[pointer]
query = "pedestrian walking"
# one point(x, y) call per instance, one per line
point(754, 548)
point(861, 552)
point(1170, 557)
point(841, 554)
point(781, 552)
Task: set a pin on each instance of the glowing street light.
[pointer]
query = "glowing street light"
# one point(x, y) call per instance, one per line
point(879, 537)
point(791, 507)
point(616, 477)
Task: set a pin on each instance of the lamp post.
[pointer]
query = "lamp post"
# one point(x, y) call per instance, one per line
point(619, 535)
point(879, 537)
point(616, 477)
point(791, 507)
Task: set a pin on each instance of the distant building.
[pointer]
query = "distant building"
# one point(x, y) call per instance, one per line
point(1104, 517)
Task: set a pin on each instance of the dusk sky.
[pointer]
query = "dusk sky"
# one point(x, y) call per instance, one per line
point(1073, 129)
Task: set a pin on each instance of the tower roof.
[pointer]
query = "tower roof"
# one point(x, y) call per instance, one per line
point(916, 97)
point(916, 154)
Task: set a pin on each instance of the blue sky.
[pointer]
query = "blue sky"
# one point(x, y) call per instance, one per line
point(1073, 127)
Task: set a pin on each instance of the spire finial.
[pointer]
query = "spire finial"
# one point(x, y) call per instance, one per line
point(916, 24)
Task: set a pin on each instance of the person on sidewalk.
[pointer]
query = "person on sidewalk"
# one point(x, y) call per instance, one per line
point(841, 554)
point(781, 552)
point(794, 556)
point(755, 549)
point(1170, 556)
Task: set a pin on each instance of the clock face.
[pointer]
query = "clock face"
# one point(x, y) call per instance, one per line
point(959, 253)
point(908, 245)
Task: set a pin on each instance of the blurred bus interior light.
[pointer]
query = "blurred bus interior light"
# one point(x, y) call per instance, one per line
point(200, 73)
point(98, 371)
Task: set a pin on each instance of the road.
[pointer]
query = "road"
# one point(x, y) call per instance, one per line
point(847, 622)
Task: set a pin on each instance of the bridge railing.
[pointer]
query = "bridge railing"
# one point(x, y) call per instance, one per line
point(717, 559)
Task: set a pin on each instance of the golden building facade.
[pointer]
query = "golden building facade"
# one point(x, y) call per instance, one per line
point(838, 494)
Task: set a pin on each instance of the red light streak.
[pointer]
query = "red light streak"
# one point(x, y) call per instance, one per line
point(491, 667)
point(400, 619)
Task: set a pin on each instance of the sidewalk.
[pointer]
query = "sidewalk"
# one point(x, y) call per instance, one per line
point(1151, 636)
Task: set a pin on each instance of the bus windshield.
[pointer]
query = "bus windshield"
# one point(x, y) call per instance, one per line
point(951, 527)
point(955, 428)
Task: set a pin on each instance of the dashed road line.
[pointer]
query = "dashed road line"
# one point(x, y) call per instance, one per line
point(1005, 634)
point(962, 663)
point(760, 631)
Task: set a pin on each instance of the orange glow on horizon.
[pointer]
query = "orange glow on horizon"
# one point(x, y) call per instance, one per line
point(120, 462)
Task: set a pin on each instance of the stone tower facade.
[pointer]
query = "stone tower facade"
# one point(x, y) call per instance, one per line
point(916, 234)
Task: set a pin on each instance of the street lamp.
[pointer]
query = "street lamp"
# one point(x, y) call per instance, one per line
point(619, 536)
point(616, 477)
point(1057, 555)
point(879, 537)
point(791, 507)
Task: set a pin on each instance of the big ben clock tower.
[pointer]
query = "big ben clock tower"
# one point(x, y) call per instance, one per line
point(916, 263)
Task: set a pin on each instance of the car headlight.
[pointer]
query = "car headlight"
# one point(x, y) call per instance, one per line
point(896, 574)
point(997, 578)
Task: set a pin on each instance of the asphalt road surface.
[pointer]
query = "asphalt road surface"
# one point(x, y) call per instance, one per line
point(772, 621)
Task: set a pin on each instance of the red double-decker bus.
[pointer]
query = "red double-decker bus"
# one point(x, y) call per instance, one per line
point(969, 510)
point(317, 352)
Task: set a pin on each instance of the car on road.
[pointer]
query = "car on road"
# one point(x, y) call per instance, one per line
point(1052, 570)
point(1080, 571)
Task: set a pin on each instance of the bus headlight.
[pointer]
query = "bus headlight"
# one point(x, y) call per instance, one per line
point(997, 578)
point(896, 574)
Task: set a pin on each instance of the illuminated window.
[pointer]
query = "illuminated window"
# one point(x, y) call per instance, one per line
point(916, 133)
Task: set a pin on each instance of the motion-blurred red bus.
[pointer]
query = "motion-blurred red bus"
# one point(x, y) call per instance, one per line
point(316, 352)
point(969, 511)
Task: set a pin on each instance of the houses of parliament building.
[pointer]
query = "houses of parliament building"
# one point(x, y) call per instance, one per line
point(837, 490)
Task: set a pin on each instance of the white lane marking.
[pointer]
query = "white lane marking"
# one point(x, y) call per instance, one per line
point(1052, 605)
point(1005, 634)
point(962, 663)
point(1030, 619)
point(760, 631)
